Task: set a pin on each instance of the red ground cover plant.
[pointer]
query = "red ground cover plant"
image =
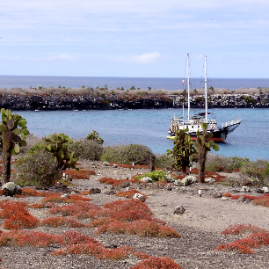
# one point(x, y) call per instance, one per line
point(227, 194)
point(77, 243)
point(61, 221)
point(219, 178)
point(5, 202)
point(263, 201)
point(36, 205)
point(18, 196)
point(247, 197)
point(29, 238)
point(131, 217)
point(33, 192)
point(79, 174)
point(157, 263)
point(235, 246)
point(142, 228)
point(129, 194)
point(258, 237)
point(84, 192)
point(107, 180)
point(256, 200)
point(74, 198)
point(95, 249)
point(118, 182)
point(121, 207)
point(242, 229)
point(78, 210)
point(17, 216)
point(141, 255)
point(1, 192)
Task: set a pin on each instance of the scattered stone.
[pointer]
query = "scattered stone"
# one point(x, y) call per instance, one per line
point(106, 164)
point(66, 195)
point(177, 182)
point(179, 210)
point(169, 188)
point(209, 180)
point(155, 185)
point(224, 198)
point(259, 190)
point(115, 165)
point(10, 189)
point(188, 180)
point(245, 189)
point(146, 179)
point(169, 179)
point(124, 184)
point(265, 189)
point(235, 190)
point(241, 199)
point(110, 192)
point(217, 195)
point(139, 196)
point(94, 190)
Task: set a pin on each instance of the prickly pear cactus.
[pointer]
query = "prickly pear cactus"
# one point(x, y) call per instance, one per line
point(183, 150)
point(57, 144)
point(94, 136)
point(202, 145)
point(13, 131)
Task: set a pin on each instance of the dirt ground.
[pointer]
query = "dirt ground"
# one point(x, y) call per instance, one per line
point(200, 226)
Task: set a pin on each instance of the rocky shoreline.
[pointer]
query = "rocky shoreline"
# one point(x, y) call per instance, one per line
point(112, 101)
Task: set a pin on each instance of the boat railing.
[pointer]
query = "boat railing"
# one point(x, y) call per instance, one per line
point(231, 123)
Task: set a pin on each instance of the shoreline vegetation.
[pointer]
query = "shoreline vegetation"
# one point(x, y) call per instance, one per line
point(102, 98)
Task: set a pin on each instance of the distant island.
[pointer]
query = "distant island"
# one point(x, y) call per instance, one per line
point(62, 98)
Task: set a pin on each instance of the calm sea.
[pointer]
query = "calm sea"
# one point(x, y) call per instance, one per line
point(25, 82)
point(148, 127)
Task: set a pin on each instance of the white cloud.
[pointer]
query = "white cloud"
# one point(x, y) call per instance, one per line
point(56, 58)
point(147, 58)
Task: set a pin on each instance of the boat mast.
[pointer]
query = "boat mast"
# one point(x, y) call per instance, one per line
point(188, 83)
point(205, 92)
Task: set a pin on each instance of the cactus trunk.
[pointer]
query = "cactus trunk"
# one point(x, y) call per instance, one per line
point(6, 155)
point(202, 170)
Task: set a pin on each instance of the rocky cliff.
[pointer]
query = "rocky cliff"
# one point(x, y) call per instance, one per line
point(127, 101)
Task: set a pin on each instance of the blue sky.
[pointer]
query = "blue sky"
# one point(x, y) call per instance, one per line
point(134, 38)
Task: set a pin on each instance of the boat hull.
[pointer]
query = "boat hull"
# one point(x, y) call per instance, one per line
point(219, 136)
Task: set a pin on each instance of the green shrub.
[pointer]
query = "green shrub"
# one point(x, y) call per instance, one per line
point(31, 141)
point(87, 149)
point(158, 175)
point(59, 146)
point(219, 163)
point(162, 161)
point(38, 169)
point(132, 153)
point(257, 171)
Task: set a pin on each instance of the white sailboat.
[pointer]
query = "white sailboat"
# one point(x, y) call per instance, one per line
point(194, 122)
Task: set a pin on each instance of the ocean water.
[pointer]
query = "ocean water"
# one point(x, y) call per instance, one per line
point(149, 127)
point(25, 82)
